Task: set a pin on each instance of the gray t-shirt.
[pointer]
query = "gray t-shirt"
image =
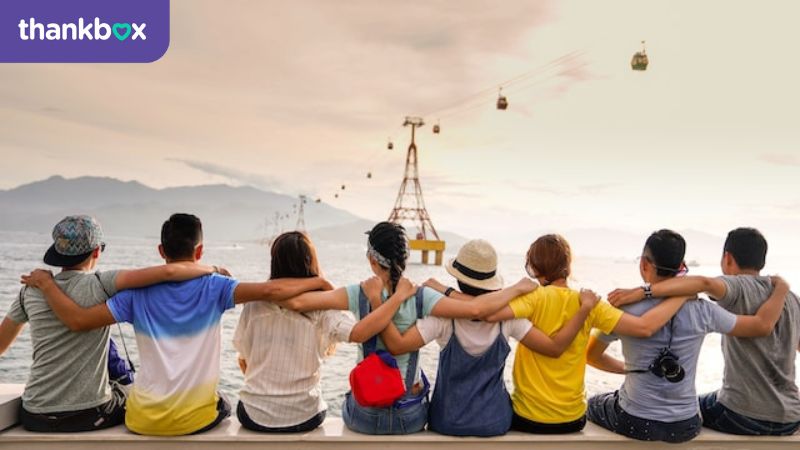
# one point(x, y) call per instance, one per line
point(69, 370)
point(648, 396)
point(759, 377)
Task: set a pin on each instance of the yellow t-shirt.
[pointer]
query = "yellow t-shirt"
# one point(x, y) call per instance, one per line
point(551, 390)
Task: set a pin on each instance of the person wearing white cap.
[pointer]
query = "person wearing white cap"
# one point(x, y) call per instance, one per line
point(470, 398)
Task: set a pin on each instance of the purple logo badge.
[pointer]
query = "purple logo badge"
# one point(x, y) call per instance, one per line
point(83, 31)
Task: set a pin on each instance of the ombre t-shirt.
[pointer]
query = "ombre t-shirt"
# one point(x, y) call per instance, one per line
point(177, 329)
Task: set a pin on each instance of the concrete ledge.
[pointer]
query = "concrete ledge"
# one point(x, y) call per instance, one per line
point(333, 435)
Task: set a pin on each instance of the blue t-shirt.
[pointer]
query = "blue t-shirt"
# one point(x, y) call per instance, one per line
point(648, 396)
point(178, 335)
point(405, 317)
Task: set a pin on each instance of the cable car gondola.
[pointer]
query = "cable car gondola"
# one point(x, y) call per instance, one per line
point(390, 145)
point(335, 195)
point(369, 175)
point(436, 128)
point(502, 101)
point(640, 60)
point(319, 200)
point(342, 187)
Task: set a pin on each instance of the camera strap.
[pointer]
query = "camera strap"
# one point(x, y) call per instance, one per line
point(668, 347)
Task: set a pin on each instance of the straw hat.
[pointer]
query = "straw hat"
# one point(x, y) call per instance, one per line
point(476, 265)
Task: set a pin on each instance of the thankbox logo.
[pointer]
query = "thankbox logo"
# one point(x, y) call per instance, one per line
point(97, 30)
point(83, 30)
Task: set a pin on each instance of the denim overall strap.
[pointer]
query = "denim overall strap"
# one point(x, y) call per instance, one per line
point(364, 308)
point(470, 397)
point(411, 369)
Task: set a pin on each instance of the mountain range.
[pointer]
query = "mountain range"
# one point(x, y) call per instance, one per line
point(133, 209)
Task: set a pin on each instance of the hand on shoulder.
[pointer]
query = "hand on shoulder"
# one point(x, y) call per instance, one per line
point(622, 297)
point(37, 279)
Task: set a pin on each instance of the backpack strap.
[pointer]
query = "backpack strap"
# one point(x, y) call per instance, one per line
point(413, 357)
point(21, 300)
point(364, 308)
point(119, 327)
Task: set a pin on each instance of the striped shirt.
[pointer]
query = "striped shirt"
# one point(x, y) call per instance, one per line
point(177, 329)
point(284, 351)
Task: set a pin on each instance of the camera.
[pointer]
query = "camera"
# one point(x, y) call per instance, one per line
point(666, 366)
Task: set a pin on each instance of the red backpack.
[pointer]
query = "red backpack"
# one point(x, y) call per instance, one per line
point(376, 381)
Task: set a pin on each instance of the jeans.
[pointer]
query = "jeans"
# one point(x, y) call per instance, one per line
point(519, 423)
point(604, 410)
point(361, 419)
point(250, 424)
point(223, 411)
point(107, 415)
point(717, 417)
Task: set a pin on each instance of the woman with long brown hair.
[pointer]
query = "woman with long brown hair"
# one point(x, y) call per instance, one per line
point(281, 351)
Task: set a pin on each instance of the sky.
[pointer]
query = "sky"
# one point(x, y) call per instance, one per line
point(301, 97)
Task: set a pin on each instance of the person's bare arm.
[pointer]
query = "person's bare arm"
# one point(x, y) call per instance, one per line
point(177, 271)
point(382, 314)
point(504, 314)
point(763, 322)
point(484, 305)
point(74, 316)
point(395, 342)
point(651, 321)
point(597, 357)
point(317, 301)
point(9, 330)
point(674, 287)
point(439, 287)
point(553, 347)
point(279, 290)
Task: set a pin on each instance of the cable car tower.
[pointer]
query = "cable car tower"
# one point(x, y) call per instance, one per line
point(301, 219)
point(410, 206)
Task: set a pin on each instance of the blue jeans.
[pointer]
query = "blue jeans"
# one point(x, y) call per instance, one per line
point(361, 419)
point(718, 417)
point(604, 410)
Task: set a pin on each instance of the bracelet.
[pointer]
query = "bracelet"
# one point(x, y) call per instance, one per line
point(216, 269)
point(648, 291)
point(448, 291)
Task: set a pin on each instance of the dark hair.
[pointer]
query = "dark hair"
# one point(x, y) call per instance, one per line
point(550, 257)
point(180, 235)
point(665, 249)
point(293, 256)
point(471, 290)
point(389, 240)
point(748, 248)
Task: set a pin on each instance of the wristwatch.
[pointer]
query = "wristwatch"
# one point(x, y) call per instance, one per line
point(648, 290)
point(448, 291)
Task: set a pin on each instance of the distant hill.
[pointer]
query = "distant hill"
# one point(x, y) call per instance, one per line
point(133, 209)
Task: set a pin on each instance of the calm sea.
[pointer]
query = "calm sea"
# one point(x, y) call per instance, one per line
point(343, 264)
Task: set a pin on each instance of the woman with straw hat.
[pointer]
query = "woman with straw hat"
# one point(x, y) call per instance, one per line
point(470, 398)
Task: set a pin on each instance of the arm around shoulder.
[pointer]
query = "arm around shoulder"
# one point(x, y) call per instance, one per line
point(74, 316)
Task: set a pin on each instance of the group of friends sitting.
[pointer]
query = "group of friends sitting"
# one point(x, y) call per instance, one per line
point(292, 321)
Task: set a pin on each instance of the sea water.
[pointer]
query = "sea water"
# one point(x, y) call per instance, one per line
point(343, 264)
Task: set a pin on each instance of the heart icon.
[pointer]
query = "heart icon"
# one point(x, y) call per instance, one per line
point(117, 27)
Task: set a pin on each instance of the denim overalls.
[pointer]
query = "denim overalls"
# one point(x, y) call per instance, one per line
point(409, 414)
point(470, 397)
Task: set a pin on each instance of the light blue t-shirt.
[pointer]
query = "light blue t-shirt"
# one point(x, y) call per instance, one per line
point(648, 396)
point(405, 317)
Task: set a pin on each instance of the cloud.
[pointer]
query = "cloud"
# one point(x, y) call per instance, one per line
point(235, 176)
point(781, 159)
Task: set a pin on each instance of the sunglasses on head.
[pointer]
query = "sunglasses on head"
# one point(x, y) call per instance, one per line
point(681, 271)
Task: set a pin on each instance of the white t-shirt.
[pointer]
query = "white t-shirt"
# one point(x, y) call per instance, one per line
point(474, 336)
point(284, 352)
